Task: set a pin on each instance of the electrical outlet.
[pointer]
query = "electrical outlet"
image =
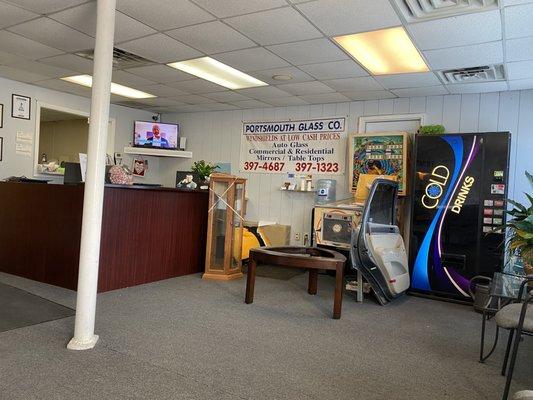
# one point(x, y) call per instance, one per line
point(297, 236)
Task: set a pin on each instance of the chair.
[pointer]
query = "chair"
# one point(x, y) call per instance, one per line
point(523, 395)
point(518, 319)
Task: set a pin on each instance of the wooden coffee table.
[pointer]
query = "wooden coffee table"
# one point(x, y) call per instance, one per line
point(310, 258)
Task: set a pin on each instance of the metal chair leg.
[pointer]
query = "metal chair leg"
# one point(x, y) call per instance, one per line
point(507, 350)
point(511, 364)
point(483, 357)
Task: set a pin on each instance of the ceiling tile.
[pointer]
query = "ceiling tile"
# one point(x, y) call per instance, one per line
point(517, 21)
point(165, 14)
point(461, 30)
point(188, 108)
point(194, 99)
point(46, 6)
point(212, 37)
point(477, 87)
point(309, 51)
point(338, 17)
point(83, 18)
point(54, 34)
point(369, 95)
point(421, 91)
point(521, 84)
point(197, 86)
point(12, 15)
point(305, 88)
point(46, 70)
point(160, 73)
point(297, 75)
point(325, 98)
point(129, 79)
point(264, 92)
point(401, 81)
point(18, 74)
point(10, 59)
point(160, 48)
point(160, 102)
point(228, 96)
point(275, 26)
point(464, 57)
point(228, 8)
point(250, 104)
point(519, 49)
point(254, 59)
point(70, 61)
point(334, 70)
point(161, 90)
point(67, 87)
point(20, 46)
point(219, 107)
point(287, 101)
point(349, 84)
point(520, 70)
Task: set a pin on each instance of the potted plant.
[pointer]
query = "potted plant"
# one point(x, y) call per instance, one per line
point(520, 230)
point(203, 169)
point(431, 130)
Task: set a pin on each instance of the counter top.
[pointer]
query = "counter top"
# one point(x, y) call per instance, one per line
point(158, 188)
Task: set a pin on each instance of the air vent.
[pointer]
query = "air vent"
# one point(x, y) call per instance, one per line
point(121, 59)
point(485, 73)
point(420, 10)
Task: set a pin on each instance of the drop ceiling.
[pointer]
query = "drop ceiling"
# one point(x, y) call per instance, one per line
point(264, 38)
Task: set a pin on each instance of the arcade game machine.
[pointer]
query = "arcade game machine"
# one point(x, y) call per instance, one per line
point(460, 187)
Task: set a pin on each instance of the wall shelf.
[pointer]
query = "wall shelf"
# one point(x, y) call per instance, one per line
point(157, 152)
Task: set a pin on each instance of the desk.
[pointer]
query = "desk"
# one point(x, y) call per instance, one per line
point(148, 233)
point(310, 258)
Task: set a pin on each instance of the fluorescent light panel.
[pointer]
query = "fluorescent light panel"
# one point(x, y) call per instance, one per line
point(387, 51)
point(214, 71)
point(124, 91)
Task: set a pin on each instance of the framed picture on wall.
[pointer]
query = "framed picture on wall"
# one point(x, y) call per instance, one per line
point(20, 106)
point(1, 115)
point(1, 147)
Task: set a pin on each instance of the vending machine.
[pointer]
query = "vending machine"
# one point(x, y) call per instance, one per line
point(459, 186)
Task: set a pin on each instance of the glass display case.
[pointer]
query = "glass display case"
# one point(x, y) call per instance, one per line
point(225, 227)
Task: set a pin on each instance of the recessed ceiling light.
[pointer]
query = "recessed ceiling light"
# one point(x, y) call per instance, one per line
point(124, 91)
point(387, 51)
point(282, 77)
point(214, 71)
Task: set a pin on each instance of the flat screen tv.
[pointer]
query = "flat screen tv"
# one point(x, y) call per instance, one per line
point(156, 135)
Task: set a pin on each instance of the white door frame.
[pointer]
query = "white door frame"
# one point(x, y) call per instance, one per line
point(39, 105)
point(363, 120)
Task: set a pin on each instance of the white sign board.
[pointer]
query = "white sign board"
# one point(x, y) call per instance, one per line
point(313, 146)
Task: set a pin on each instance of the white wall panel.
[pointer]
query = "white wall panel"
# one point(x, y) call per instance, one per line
point(215, 136)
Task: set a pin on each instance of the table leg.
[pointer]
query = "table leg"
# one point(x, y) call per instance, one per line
point(359, 286)
point(339, 283)
point(312, 286)
point(250, 281)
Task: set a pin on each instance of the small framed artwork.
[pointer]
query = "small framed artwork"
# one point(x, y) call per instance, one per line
point(20, 106)
point(1, 115)
point(1, 147)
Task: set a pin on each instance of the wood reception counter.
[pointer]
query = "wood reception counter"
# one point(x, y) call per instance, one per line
point(148, 233)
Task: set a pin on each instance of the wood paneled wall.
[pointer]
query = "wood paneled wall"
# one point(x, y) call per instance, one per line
point(215, 136)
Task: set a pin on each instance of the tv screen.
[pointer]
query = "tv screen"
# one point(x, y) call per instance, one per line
point(156, 134)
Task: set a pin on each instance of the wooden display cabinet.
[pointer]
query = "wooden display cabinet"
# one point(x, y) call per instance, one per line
point(225, 227)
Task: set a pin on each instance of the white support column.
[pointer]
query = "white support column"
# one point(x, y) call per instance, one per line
point(84, 337)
